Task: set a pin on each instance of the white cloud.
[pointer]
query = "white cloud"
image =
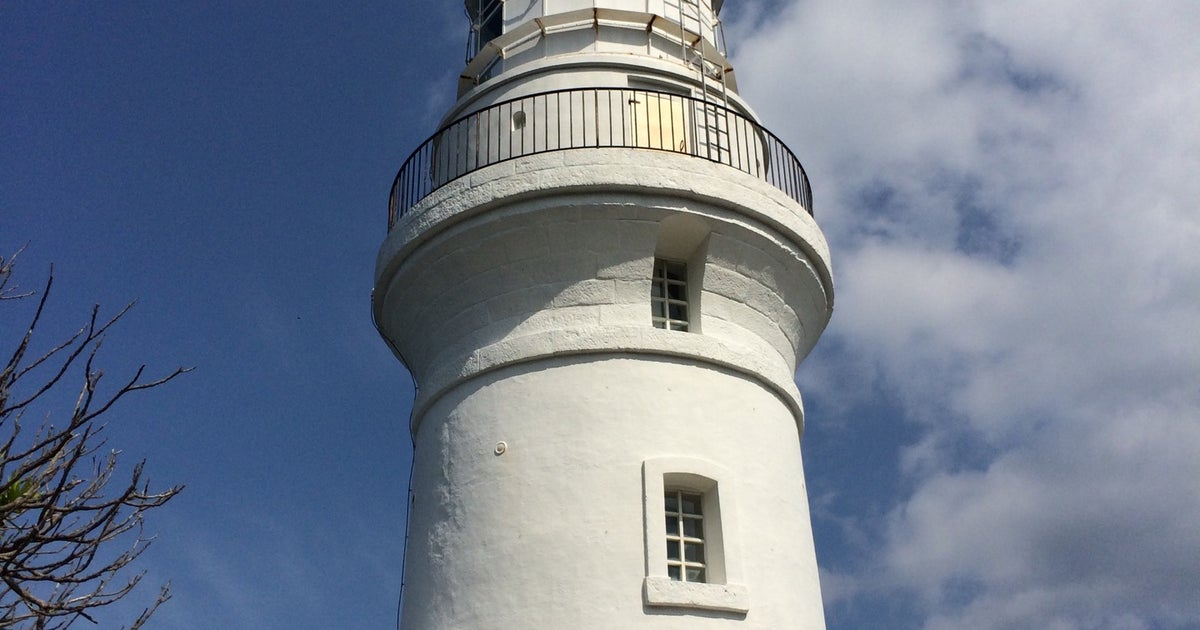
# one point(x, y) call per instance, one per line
point(1011, 192)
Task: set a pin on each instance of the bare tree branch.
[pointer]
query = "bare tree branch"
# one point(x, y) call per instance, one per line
point(69, 530)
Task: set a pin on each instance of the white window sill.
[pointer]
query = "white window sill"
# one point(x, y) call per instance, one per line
point(663, 591)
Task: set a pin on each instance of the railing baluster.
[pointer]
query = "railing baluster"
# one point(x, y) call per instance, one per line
point(533, 123)
point(623, 105)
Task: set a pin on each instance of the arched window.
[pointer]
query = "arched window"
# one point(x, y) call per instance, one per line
point(692, 536)
point(669, 295)
point(677, 280)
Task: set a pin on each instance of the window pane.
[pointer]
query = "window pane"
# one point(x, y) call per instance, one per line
point(672, 502)
point(693, 528)
point(672, 526)
point(693, 552)
point(691, 503)
point(675, 573)
point(669, 295)
point(672, 550)
point(694, 574)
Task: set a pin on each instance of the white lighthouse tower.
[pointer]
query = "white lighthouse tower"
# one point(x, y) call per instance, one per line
point(602, 272)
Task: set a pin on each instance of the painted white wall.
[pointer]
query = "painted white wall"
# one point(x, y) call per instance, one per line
point(519, 11)
point(670, 8)
point(552, 253)
point(567, 28)
point(590, 70)
point(519, 297)
point(550, 533)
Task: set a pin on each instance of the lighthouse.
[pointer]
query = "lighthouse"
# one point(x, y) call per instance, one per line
point(602, 271)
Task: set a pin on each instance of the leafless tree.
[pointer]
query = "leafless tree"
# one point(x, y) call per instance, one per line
point(70, 522)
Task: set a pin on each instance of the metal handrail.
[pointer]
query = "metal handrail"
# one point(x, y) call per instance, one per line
point(596, 118)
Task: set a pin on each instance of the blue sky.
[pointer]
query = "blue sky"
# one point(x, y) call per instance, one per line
point(1003, 418)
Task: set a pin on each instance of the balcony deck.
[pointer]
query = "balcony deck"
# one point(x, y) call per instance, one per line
point(596, 118)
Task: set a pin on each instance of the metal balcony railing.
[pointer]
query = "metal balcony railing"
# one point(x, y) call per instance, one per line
point(596, 118)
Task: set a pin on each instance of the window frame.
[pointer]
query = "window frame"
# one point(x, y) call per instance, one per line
point(665, 290)
point(683, 238)
point(723, 589)
point(677, 525)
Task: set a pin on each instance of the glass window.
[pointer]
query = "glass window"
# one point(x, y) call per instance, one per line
point(691, 536)
point(668, 295)
point(491, 21)
point(685, 552)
